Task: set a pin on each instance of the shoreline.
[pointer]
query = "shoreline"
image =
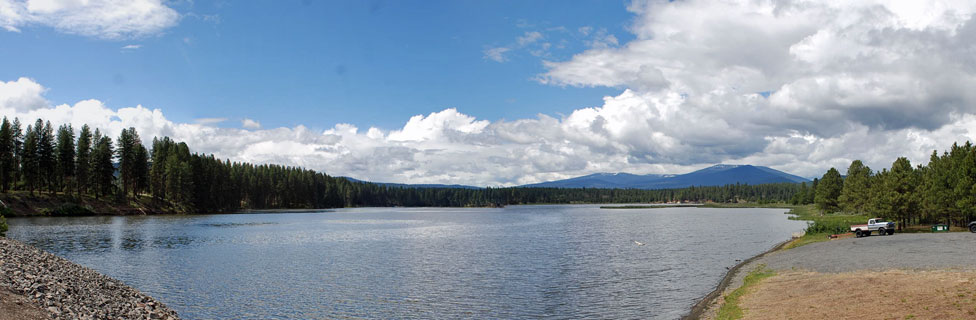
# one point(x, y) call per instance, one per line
point(43, 283)
point(702, 306)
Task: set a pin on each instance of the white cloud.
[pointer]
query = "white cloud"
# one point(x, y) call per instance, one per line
point(131, 47)
point(797, 86)
point(250, 124)
point(22, 95)
point(496, 54)
point(840, 73)
point(529, 38)
point(107, 19)
point(210, 121)
point(633, 132)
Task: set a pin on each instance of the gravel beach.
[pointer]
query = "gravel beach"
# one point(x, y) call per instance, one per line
point(38, 284)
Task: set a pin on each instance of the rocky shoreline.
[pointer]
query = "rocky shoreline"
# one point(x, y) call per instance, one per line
point(702, 306)
point(65, 290)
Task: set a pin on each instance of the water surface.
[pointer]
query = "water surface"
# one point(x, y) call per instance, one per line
point(550, 262)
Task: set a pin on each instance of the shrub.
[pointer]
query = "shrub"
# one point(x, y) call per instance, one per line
point(3, 221)
point(832, 227)
point(68, 209)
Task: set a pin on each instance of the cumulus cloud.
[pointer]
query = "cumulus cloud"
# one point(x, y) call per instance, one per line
point(107, 19)
point(21, 95)
point(799, 85)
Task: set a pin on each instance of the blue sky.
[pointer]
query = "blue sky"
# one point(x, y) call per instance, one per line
point(502, 93)
point(317, 63)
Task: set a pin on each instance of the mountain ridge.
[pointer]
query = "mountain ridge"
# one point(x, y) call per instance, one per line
point(716, 175)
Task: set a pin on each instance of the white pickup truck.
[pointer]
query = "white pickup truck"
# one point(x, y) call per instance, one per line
point(874, 225)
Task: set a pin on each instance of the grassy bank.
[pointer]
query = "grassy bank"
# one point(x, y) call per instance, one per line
point(730, 309)
point(22, 203)
point(820, 226)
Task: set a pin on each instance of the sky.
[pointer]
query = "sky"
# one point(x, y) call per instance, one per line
point(501, 93)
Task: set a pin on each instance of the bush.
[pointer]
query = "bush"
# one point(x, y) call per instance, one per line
point(3, 221)
point(68, 209)
point(833, 227)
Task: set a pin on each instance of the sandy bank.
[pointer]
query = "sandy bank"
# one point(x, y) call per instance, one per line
point(34, 282)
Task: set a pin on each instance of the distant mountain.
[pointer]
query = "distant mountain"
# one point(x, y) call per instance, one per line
point(404, 185)
point(717, 175)
point(604, 180)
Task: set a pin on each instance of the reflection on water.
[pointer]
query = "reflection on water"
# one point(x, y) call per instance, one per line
point(516, 262)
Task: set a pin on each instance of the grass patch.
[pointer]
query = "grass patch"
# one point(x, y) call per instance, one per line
point(806, 239)
point(820, 226)
point(730, 309)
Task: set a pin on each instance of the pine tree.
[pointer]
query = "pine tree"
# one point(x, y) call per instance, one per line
point(65, 149)
point(102, 168)
point(854, 195)
point(140, 169)
point(133, 162)
point(29, 160)
point(18, 138)
point(897, 197)
point(83, 159)
point(828, 190)
point(6, 155)
point(46, 155)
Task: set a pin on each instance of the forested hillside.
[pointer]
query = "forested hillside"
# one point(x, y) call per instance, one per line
point(944, 190)
point(40, 159)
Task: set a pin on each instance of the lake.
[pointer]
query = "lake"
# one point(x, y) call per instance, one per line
point(551, 262)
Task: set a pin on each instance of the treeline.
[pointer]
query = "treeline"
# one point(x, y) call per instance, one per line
point(41, 159)
point(943, 191)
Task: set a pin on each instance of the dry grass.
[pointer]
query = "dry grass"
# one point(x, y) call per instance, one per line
point(863, 295)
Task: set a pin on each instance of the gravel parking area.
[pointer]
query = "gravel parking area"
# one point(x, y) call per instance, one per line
point(937, 261)
point(909, 251)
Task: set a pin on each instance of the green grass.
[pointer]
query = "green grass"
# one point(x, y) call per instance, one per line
point(820, 226)
point(730, 309)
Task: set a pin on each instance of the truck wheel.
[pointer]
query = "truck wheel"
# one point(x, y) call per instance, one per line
point(972, 228)
point(881, 231)
point(858, 233)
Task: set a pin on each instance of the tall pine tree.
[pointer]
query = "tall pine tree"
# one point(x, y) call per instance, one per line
point(83, 159)
point(65, 149)
point(6, 155)
point(853, 197)
point(828, 190)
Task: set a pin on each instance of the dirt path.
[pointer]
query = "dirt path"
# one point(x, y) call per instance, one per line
point(17, 307)
point(899, 295)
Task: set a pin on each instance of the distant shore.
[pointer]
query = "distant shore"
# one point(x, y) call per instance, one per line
point(35, 284)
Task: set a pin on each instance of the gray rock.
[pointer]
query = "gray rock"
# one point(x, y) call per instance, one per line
point(70, 291)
